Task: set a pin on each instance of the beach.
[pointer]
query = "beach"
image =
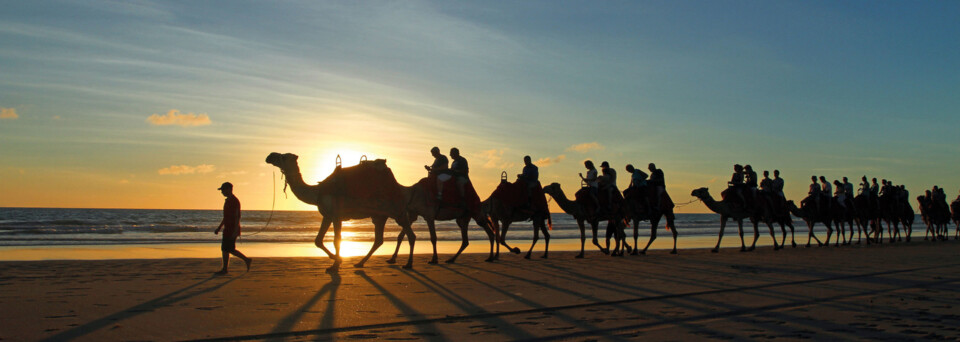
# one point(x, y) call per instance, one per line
point(898, 291)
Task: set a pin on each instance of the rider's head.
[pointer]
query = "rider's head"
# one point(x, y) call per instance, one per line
point(813, 178)
point(435, 151)
point(776, 173)
point(526, 160)
point(844, 179)
point(588, 164)
point(737, 167)
point(766, 173)
point(748, 167)
point(604, 164)
point(630, 168)
point(454, 152)
point(651, 167)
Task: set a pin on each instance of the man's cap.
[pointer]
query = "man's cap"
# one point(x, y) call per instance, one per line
point(225, 185)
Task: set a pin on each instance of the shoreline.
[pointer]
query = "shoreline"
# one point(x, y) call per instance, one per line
point(203, 250)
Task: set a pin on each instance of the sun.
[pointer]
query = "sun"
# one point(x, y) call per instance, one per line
point(326, 161)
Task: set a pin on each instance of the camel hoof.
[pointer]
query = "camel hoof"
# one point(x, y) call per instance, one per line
point(408, 266)
point(451, 261)
point(392, 261)
point(360, 265)
point(714, 250)
point(515, 250)
point(490, 259)
point(635, 252)
point(527, 256)
point(433, 262)
point(794, 245)
point(579, 256)
point(673, 251)
point(333, 269)
point(605, 251)
point(543, 256)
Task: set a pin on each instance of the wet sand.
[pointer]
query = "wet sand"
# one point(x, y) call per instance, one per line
point(893, 292)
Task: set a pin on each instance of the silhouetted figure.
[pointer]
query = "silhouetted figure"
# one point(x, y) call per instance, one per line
point(437, 169)
point(459, 169)
point(608, 181)
point(231, 228)
point(591, 181)
point(848, 189)
point(778, 185)
point(638, 178)
point(657, 182)
point(736, 182)
point(840, 194)
point(766, 184)
point(814, 193)
point(530, 175)
point(750, 183)
point(865, 187)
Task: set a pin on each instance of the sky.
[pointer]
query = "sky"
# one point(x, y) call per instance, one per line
point(142, 104)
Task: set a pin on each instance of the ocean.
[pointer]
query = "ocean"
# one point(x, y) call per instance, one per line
point(61, 227)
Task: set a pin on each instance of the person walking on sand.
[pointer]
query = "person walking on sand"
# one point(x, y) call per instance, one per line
point(231, 228)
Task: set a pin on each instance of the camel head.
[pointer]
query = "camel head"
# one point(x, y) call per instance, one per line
point(700, 193)
point(286, 162)
point(553, 188)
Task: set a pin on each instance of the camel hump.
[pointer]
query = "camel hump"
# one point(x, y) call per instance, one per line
point(370, 180)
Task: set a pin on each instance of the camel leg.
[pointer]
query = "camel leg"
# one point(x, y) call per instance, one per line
point(503, 238)
point(809, 236)
point(723, 224)
point(546, 240)
point(772, 236)
point(404, 226)
point(783, 234)
point(393, 259)
point(536, 236)
point(465, 240)
point(583, 237)
point(743, 246)
point(432, 228)
point(829, 233)
point(324, 226)
point(653, 236)
point(621, 230)
point(378, 226)
point(673, 229)
point(636, 236)
point(485, 224)
point(609, 234)
point(595, 226)
point(793, 240)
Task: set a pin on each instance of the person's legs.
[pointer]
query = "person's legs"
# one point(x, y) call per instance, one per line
point(245, 259)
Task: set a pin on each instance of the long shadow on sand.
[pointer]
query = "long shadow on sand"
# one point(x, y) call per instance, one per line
point(287, 323)
point(165, 300)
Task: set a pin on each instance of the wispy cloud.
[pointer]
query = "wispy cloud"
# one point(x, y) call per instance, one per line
point(174, 117)
point(549, 161)
point(8, 113)
point(584, 147)
point(186, 169)
point(493, 159)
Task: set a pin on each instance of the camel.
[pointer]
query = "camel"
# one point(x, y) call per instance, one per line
point(843, 215)
point(637, 209)
point(867, 216)
point(503, 208)
point(781, 216)
point(891, 212)
point(336, 205)
point(421, 202)
point(810, 215)
point(955, 216)
point(579, 213)
point(727, 210)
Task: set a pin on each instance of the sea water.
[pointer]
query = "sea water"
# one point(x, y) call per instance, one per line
point(55, 227)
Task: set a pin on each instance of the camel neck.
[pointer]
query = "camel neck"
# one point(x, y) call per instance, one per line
point(306, 193)
point(568, 206)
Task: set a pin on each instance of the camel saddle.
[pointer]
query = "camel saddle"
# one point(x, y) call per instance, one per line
point(515, 195)
point(451, 194)
point(370, 183)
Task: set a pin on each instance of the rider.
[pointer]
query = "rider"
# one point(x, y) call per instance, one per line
point(638, 181)
point(459, 168)
point(848, 188)
point(736, 182)
point(608, 181)
point(814, 192)
point(437, 169)
point(778, 185)
point(657, 181)
point(750, 181)
point(865, 188)
point(827, 189)
point(840, 194)
point(591, 181)
point(530, 175)
point(766, 184)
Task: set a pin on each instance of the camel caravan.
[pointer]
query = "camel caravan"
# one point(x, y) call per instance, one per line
point(370, 190)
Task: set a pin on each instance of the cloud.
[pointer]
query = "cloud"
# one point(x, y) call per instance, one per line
point(584, 147)
point(549, 161)
point(8, 113)
point(174, 117)
point(493, 159)
point(186, 169)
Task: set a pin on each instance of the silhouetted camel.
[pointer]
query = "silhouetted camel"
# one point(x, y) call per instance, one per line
point(384, 200)
point(811, 215)
point(638, 209)
point(504, 207)
point(421, 202)
point(737, 212)
point(579, 212)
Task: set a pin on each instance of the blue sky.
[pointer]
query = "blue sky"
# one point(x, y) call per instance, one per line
point(828, 88)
